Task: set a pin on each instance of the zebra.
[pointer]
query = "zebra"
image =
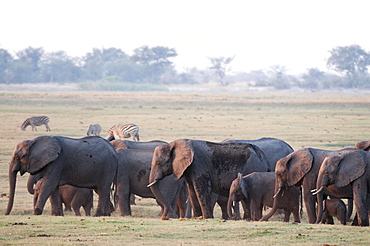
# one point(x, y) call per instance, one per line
point(94, 130)
point(123, 131)
point(36, 121)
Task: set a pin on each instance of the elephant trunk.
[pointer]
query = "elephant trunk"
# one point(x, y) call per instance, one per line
point(230, 206)
point(167, 209)
point(32, 179)
point(12, 183)
point(320, 198)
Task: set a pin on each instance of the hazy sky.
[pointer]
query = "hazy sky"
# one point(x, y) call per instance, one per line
point(259, 33)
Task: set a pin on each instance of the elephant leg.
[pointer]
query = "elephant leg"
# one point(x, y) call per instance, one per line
point(56, 203)
point(203, 193)
point(103, 201)
point(124, 200)
point(349, 209)
point(47, 188)
point(329, 220)
point(197, 211)
point(309, 202)
point(286, 215)
point(76, 206)
point(360, 202)
point(222, 202)
point(256, 211)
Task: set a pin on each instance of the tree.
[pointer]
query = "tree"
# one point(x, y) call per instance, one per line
point(155, 61)
point(26, 66)
point(59, 67)
point(221, 66)
point(352, 60)
point(312, 78)
point(5, 62)
point(279, 78)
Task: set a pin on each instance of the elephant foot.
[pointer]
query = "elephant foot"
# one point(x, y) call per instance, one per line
point(38, 211)
point(164, 218)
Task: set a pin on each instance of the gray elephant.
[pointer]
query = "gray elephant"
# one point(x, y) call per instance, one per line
point(72, 197)
point(94, 130)
point(301, 167)
point(89, 162)
point(132, 177)
point(273, 148)
point(127, 144)
point(257, 190)
point(208, 167)
point(334, 208)
point(350, 173)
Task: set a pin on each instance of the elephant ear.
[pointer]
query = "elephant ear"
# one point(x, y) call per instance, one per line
point(243, 186)
point(44, 150)
point(364, 145)
point(182, 156)
point(350, 167)
point(296, 165)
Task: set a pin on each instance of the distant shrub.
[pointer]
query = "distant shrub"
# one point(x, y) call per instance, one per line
point(114, 84)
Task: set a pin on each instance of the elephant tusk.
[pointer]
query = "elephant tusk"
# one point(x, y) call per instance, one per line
point(277, 192)
point(234, 204)
point(314, 192)
point(153, 183)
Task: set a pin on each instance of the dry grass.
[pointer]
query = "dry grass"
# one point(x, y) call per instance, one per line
point(327, 121)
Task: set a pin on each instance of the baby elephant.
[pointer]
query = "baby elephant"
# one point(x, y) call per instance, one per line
point(334, 208)
point(72, 197)
point(257, 190)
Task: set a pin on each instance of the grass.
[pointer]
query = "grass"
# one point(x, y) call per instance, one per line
point(319, 120)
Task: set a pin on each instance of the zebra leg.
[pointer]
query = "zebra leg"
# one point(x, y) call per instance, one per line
point(47, 127)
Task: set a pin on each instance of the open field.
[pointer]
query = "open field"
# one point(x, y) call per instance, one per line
point(327, 121)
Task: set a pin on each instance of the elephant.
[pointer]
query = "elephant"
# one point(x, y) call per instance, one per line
point(94, 130)
point(257, 190)
point(89, 162)
point(334, 208)
point(127, 144)
point(350, 173)
point(301, 168)
point(132, 177)
point(273, 148)
point(207, 167)
point(364, 145)
point(72, 197)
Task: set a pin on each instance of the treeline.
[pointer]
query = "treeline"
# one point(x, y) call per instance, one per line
point(151, 67)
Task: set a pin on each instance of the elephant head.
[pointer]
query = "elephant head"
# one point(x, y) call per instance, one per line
point(31, 156)
point(237, 191)
point(364, 145)
point(173, 158)
point(291, 169)
point(341, 170)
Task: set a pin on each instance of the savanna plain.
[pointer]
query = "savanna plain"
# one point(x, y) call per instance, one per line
point(326, 120)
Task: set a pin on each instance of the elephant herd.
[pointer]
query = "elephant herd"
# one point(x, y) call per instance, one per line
point(187, 177)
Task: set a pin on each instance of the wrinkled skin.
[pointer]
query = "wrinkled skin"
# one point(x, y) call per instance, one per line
point(301, 168)
point(208, 167)
point(72, 197)
point(132, 177)
point(347, 171)
point(273, 148)
point(257, 190)
point(334, 208)
point(89, 162)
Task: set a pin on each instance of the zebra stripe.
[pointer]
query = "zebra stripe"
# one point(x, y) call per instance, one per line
point(36, 121)
point(123, 131)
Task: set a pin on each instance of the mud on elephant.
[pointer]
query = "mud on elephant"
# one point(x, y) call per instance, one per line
point(208, 167)
point(89, 162)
